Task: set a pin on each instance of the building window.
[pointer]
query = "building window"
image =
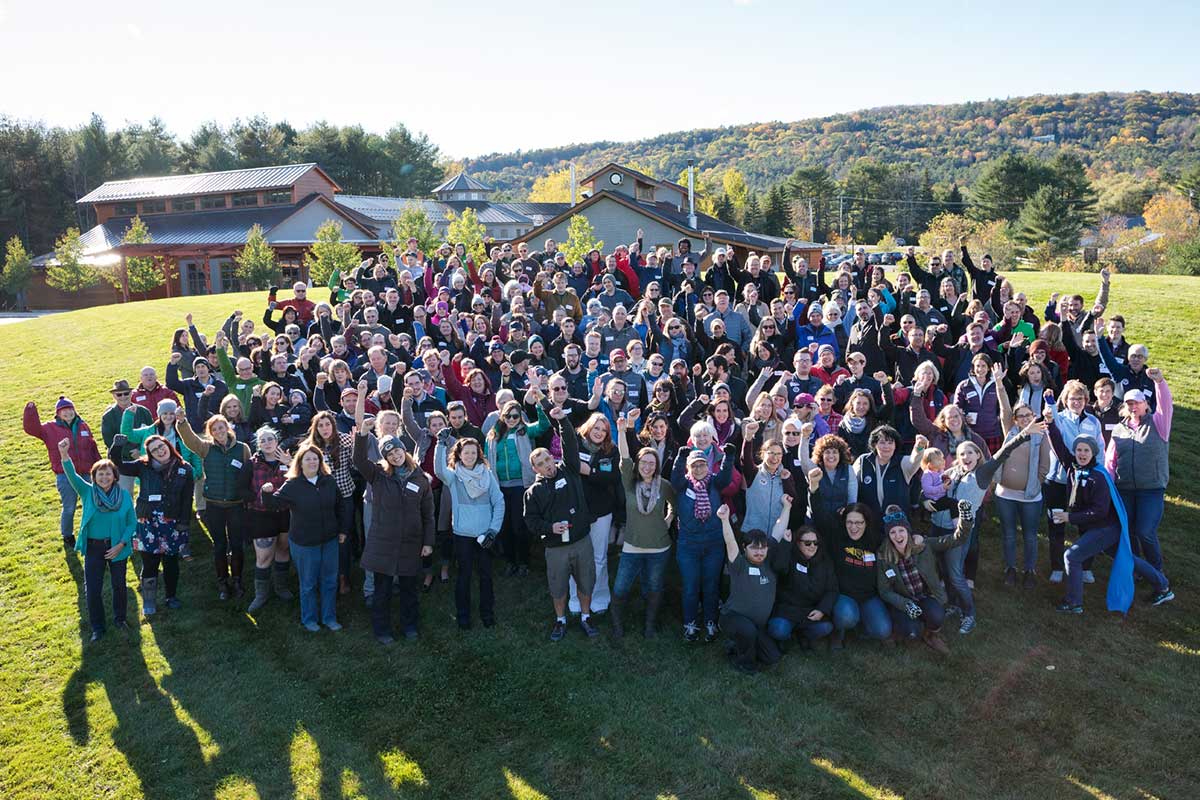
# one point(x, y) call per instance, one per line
point(245, 199)
point(276, 198)
point(154, 206)
point(229, 280)
point(125, 210)
point(183, 204)
point(193, 272)
point(645, 192)
point(291, 270)
point(212, 201)
point(503, 233)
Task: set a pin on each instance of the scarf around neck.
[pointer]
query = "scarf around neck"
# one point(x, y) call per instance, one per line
point(474, 480)
point(107, 500)
point(702, 508)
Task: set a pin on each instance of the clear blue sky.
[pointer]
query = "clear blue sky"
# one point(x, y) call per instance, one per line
point(481, 77)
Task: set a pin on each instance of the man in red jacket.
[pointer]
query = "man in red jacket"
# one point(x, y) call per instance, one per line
point(83, 451)
point(304, 307)
point(149, 391)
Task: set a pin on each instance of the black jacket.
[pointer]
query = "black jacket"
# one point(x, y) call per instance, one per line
point(319, 513)
point(560, 498)
point(808, 585)
point(168, 490)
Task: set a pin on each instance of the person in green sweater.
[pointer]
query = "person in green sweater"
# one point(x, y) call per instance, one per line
point(649, 509)
point(240, 378)
point(165, 427)
point(105, 536)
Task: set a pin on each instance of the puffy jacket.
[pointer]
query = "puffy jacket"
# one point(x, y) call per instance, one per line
point(84, 451)
point(401, 516)
point(169, 490)
point(810, 584)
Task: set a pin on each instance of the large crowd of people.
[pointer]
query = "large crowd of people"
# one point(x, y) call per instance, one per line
point(830, 443)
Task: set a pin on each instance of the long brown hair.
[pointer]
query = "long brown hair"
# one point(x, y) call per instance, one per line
point(500, 429)
point(455, 456)
point(332, 447)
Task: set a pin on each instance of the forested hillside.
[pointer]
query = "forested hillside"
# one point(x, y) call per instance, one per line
point(1111, 132)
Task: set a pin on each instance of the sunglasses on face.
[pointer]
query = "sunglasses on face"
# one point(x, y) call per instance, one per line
point(512, 416)
point(791, 433)
point(808, 542)
point(662, 390)
point(122, 394)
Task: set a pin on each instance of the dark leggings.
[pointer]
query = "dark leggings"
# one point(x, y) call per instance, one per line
point(443, 546)
point(1057, 495)
point(170, 568)
point(227, 527)
point(514, 536)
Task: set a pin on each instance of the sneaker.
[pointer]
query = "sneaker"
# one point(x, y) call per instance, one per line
point(334, 626)
point(121, 625)
point(558, 631)
point(691, 632)
point(411, 636)
point(971, 584)
point(1164, 596)
point(745, 669)
point(522, 571)
point(312, 627)
point(953, 611)
point(711, 629)
point(968, 625)
point(1088, 577)
point(1010, 576)
point(591, 630)
point(385, 640)
point(96, 636)
point(1056, 576)
point(1030, 580)
point(173, 602)
point(1068, 608)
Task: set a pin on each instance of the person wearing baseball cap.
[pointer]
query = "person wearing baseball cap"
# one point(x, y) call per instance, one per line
point(1142, 438)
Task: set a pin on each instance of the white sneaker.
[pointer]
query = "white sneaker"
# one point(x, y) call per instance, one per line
point(1088, 577)
point(1056, 576)
point(970, 584)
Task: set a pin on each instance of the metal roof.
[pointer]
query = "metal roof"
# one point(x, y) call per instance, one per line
point(462, 182)
point(234, 180)
point(385, 209)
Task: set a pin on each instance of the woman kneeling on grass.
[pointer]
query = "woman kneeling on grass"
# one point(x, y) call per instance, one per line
point(907, 575)
point(164, 513)
point(105, 536)
point(318, 515)
point(1096, 509)
point(804, 607)
point(402, 526)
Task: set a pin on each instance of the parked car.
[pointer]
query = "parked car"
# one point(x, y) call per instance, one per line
point(874, 259)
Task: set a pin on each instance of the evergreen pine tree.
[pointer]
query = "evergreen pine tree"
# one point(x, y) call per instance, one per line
point(1047, 220)
point(752, 217)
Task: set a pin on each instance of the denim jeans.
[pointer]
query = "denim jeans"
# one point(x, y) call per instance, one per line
point(956, 559)
point(94, 567)
point(1144, 507)
point(317, 566)
point(650, 567)
point(68, 498)
point(781, 629)
point(471, 557)
point(598, 534)
point(1028, 515)
point(872, 613)
point(1102, 540)
point(700, 559)
point(933, 614)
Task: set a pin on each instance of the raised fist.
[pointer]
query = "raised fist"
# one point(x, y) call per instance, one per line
point(176, 357)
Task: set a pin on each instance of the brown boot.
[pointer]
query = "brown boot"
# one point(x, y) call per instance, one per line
point(934, 640)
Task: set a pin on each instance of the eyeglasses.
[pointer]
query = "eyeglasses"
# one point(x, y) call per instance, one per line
point(662, 389)
point(122, 394)
point(858, 523)
point(825, 400)
point(558, 388)
point(512, 416)
point(791, 433)
point(809, 542)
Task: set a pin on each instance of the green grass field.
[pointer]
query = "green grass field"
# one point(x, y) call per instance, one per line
point(209, 702)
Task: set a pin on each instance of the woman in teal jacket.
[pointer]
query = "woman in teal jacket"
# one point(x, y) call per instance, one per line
point(164, 426)
point(105, 536)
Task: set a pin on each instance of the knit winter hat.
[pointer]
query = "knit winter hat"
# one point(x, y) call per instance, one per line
point(167, 406)
point(63, 402)
point(389, 443)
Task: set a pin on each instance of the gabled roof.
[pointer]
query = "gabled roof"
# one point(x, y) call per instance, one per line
point(203, 228)
point(721, 232)
point(462, 182)
point(233, 180)
point(382, 210)
point(639, 175)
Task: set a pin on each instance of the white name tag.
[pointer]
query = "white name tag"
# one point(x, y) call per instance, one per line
point(802, 568)
point(972, 393)
point(85, 433)
point(199, 394)
point(241, 386)
point(1110, 426)
point(154, 498)
point(283, 467)
point(891, 573)
point(608, 338)
point(140, 398)
point(561, 483)
point(869, 558)
point(182, 471)
point(585, 457)
point(690, 494)
point(754, 571)
point(235, 464)
point(412, 487)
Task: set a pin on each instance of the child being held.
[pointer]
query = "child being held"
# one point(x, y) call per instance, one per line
point(933, 466)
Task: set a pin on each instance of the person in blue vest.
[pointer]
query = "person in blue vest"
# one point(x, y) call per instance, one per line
point(815, 333)
point(883, 476)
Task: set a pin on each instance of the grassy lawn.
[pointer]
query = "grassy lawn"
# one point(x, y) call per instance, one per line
point(209, 702)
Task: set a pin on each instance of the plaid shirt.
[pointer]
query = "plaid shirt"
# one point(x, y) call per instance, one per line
point(341, 469)
point(911, 576)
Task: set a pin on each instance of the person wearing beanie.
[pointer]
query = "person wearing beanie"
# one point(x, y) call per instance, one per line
point(811, 330)
point(268, 526)
point(167, 411)
point(402, 530)
point(66, 426)
point(1097, 510)
point(908, 579)
point(192, 389)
